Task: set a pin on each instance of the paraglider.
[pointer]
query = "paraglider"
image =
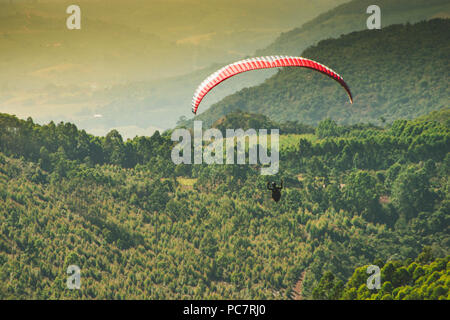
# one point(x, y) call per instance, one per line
point(262, 63)
point(276, 191)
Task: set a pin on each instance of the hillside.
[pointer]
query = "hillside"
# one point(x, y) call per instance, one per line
point(350, 17)
point(401, 71)
point(255, 121)
point(140, 227)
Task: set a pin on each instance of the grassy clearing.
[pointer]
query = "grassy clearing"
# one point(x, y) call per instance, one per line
point(292, 140)
point(186, 182)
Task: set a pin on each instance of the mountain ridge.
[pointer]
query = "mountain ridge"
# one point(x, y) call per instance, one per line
point(388, 81)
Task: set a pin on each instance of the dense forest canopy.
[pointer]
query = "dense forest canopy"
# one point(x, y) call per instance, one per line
point(139, 226)
point(421, 279)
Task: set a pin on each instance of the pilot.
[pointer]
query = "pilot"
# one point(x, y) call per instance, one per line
point(276, 191)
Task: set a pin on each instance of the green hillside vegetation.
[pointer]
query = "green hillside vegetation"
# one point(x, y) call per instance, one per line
point(401, 71)
point(421, 279)
point(442, 116)
point(245, 121)
point(140, 227)
point(350, 17)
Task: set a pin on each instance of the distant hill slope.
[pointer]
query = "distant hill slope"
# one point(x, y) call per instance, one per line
point(442, 116)
point(352, 16)
point(401, 71)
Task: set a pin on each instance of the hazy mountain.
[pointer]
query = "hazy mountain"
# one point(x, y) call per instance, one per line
point(352, 16)
point(50, 72)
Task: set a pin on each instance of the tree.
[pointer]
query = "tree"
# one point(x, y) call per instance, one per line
point(361, 195)
point(44, 159)
point(327, 128)
point(411, 192)
point(329, 288)
point(425, 256)
point(114, 147)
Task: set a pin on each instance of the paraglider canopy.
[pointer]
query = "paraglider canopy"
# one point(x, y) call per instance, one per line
point(261, 63)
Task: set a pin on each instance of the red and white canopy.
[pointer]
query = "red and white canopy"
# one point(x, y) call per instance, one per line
point(261, 63)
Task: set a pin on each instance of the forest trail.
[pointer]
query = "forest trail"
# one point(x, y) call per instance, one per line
point(297, 291)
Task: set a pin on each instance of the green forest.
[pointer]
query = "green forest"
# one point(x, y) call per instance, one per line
point(140, 227)
point(411, 279)
point(398, 72)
